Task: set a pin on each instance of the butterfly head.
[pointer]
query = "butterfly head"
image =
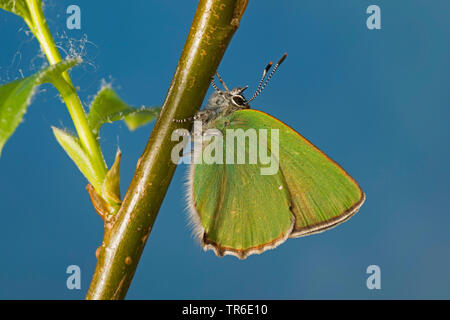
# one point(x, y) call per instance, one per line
point(234, 97)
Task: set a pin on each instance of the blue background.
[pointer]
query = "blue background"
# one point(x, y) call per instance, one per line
point(376, 101)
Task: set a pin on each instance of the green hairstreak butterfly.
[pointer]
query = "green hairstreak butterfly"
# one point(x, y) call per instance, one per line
point(236, 210)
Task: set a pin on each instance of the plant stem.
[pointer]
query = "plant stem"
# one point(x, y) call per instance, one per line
point(214, 24)
point(40, 29)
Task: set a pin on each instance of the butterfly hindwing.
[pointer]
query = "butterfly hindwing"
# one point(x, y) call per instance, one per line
point(238, 211)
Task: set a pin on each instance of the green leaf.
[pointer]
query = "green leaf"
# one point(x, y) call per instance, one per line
point(111, 185)
point(16, 96)
point(108, 107)
point(52, 73)
point(18, 7)
point(141, 116)
point(76, 152)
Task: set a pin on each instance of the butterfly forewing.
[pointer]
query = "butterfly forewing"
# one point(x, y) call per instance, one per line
point(322, 193)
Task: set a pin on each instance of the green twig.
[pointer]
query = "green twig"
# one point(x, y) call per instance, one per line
point(65, 87)
point(214, 24)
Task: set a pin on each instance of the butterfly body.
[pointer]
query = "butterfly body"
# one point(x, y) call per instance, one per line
point(220, 105)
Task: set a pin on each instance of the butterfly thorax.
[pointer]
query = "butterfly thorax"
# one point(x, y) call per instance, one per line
point(221, 104)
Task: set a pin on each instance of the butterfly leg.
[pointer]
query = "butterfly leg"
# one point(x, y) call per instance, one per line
point(190, 119)
point(204, 116)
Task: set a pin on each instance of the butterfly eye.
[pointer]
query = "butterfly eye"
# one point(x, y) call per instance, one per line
point(238, 100)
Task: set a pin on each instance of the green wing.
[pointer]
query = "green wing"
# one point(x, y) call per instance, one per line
point(236, 210)
point(322, 193)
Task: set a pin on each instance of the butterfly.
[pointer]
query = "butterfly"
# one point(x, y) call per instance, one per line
point(237, 210)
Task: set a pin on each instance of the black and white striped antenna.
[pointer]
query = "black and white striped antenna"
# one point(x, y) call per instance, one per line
point(261, 86)
point(214, 85)
point(221, 81)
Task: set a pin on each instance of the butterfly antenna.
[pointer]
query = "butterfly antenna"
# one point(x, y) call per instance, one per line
point(261, 86)
point(222, 82)
point(214, 85)
point(266, 69)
